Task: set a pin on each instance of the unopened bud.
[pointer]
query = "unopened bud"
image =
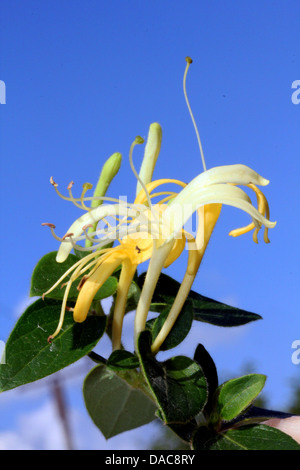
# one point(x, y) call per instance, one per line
point(109, 171)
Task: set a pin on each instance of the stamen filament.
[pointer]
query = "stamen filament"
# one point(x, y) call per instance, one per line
point(62, 312)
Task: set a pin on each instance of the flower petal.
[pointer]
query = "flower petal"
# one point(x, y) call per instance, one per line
point(192, 197)
point(235, 174)
point(91, 217)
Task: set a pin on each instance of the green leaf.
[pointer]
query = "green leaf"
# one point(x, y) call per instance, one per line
point(237, 394)
point(180, 329)
point(28, 354)
point(48, 271)
point(116, 401)
point(184, 431)
point(178, 383)
point(203, 358)
point(121, 359)
point(205, 309)
point(254, 437)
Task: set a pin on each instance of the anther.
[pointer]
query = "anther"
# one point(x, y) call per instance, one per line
point(50, 338)
point(53, 182)
point(85, 227)
point(189, 60)
point(46, 224)
point(70, 185)
point(82, 282)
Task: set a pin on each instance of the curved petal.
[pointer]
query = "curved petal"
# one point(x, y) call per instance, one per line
point(235, 174)
point(91, 217)
point(93, 283)
point(190, 199)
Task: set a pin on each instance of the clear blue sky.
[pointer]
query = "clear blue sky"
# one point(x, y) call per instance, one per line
point(83, 78)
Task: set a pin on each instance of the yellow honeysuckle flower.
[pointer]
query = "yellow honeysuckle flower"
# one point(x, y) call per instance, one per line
point(155, 232)
point(211, 189)
point(135, 247)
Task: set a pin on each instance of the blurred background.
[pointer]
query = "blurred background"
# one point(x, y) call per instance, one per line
point(83, 78)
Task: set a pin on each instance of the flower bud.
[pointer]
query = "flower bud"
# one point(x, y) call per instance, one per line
point(109, 171)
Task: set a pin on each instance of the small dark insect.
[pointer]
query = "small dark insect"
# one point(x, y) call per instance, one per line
point(138, 249)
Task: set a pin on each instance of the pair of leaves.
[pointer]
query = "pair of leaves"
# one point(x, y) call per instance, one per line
point(178, 384)
point(183, 388)
point(118, 399)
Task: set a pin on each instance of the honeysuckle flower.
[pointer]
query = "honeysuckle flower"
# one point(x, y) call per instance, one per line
point(211, 189)
point(154, 231)
point(135, 247)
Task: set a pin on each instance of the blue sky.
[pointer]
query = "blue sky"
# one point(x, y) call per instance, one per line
point(83, 78)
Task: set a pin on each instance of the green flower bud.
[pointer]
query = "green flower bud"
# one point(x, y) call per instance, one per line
point(108, 172)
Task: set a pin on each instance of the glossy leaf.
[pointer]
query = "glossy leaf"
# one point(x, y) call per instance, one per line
point(122, 360)
point(178, 384)
point(30, 357)
point(180, 329)
point(237, 394)
point(116, 401)
point(48, 271)
point(203, 358)
point(205, 309)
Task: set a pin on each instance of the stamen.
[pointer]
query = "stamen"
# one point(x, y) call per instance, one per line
point(263, 208)
point(62, 312)
point(189, 61)
point(82, 282)
point(53, 182)
point(47, 224)
point(55, 185)
point(87, 236)
point(52, 227)
point(72, 199)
